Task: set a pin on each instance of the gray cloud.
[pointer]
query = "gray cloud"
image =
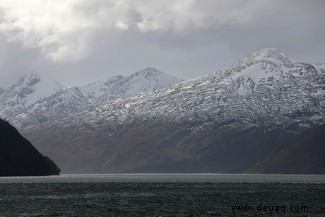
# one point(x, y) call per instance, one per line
point(78, 40)
point(64, 29)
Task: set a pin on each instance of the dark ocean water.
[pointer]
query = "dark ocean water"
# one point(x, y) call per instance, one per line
point(163, 195)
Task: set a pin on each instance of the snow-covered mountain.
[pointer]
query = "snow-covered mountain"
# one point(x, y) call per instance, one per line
point(143, 81)
point(26, 91)
point(95, 90)
point(69, 101)
point(266, 88)
point(147, 80)
point(62, 104)
point(226, 121)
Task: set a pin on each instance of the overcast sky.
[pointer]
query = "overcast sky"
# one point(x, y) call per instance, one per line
point(78, 41)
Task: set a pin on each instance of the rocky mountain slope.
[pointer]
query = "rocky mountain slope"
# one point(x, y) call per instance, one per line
point(18, 157)
point(63, 103)
point(305, 155)
point(146, 80)
point(25, 92)
point(227, 121)
point(69, 101)
point(2, 91)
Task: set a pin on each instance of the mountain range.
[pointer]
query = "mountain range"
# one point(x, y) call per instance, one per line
point(231, 121)
point(25, 92)
point(35, 98)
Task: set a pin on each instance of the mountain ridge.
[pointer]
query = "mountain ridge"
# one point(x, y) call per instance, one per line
point(67, 101)
point(26, 91)
point(226, 121)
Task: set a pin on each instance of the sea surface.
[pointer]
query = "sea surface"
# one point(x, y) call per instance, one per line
point(163, 195)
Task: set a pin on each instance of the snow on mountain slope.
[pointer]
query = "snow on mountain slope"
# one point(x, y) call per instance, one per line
point(61, 104)
point(266, 90)
point(226, 121)
point(69, 101)
point(262, 64)
point(267, 55)
point(26, 91)
point(320, 67)
point(146, 80)
point(96, 89)
point(2, 91)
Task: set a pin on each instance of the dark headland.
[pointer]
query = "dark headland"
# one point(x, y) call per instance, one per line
point(18, 157)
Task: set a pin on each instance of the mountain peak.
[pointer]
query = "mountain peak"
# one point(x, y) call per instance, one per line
point(149, 71)
point(29, 75)
point(146, 80)
point(27, 90)
point(155, 75)
point(32, 75)
point(263, 64)
point(271, 55)
point(29, 79)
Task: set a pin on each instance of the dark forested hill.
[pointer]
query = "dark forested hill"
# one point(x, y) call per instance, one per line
point(18, 157)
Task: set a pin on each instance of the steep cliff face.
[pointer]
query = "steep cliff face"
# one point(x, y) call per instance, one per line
point(18, 157)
